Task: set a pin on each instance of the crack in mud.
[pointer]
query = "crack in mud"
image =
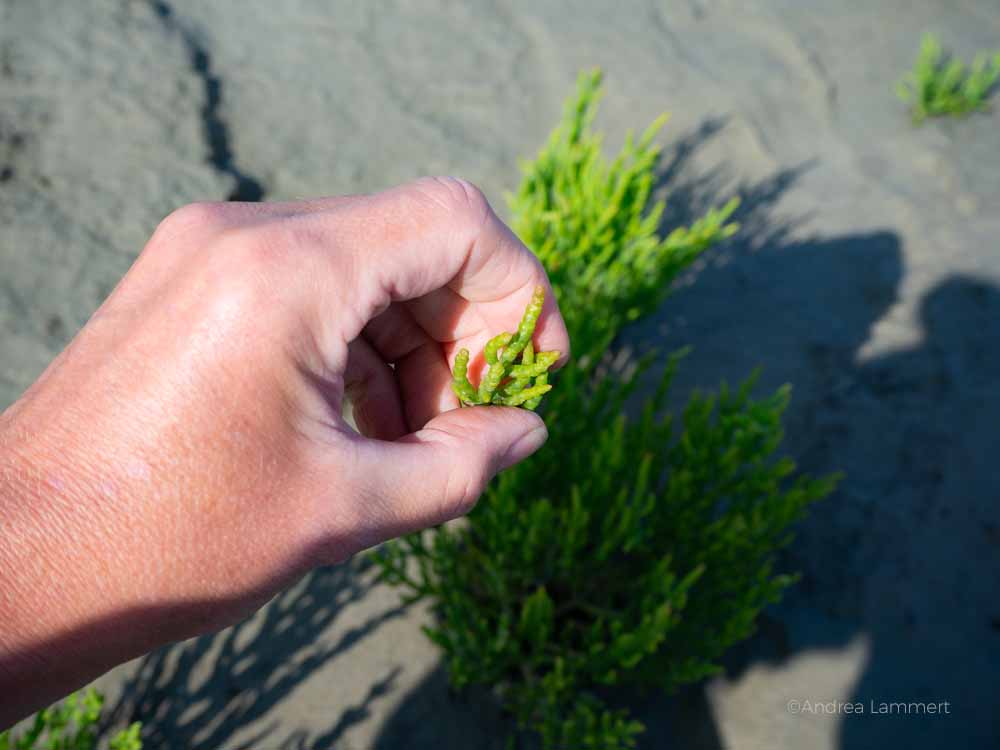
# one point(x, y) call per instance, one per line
point(216, 130)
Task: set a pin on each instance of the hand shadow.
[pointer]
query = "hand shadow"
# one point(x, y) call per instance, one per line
point(903, 559)
point(220, 690)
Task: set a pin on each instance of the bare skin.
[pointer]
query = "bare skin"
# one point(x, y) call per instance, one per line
point(185, 458)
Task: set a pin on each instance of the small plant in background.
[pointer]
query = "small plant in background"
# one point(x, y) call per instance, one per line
point(508, 382)
point(939, 85)
point(629, 551)
point(70, 725)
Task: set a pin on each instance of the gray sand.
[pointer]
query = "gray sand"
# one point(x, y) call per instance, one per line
point(867, 274)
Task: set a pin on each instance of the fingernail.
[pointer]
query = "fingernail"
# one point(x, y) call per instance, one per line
point(524, 446)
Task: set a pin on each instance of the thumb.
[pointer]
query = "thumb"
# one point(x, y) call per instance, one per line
point(438, 473)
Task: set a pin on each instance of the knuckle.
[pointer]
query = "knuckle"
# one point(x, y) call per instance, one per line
point(202, 215)
point(459, 198)
point(466, 193)
point(194, 221)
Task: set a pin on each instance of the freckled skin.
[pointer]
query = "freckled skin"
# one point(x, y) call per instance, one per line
point(185, 457)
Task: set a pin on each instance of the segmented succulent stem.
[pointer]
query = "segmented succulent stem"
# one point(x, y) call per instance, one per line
point(494, 344)
point(541, 382)
point(529, 394)
point(460, 383)
point(518, 384)
point(490, 382)
point(507, 381)
point(527, 327)
point(542, 363)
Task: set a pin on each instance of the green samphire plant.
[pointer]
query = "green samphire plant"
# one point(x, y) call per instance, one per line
point(630, 551)
point(70, 725)
point(940, 86)
point(515, 374)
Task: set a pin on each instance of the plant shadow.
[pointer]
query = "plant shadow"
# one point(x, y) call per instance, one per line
point(900, 567)
point(876, 568)
point(219, 690)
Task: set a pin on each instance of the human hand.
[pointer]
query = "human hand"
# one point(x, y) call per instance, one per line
point(185, 457)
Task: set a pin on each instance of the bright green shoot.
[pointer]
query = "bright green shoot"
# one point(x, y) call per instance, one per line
point(507, 381)
point(596, 227)
point(943, 85)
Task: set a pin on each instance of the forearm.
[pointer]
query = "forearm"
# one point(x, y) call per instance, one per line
point(99, 556)
point(61, 622)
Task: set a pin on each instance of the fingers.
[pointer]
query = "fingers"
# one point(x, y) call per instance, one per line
point(370, 384)
point(425, 384)
point(422, 370)
point(435, 239)
point(440, 232)
point(437, 473)
point(434, 234)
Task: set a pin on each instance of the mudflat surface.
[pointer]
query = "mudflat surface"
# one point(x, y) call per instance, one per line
point(867, 274)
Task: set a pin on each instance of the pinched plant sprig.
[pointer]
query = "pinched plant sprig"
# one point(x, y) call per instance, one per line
point(507, 381)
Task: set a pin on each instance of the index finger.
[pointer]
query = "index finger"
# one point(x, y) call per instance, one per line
point(437, 240)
